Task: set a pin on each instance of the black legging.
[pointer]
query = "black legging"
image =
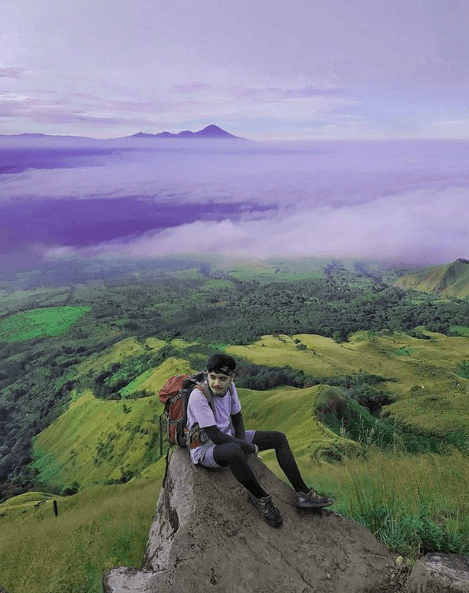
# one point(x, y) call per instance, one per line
point(231, 454)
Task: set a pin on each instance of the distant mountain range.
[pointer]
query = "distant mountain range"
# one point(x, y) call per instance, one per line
point(446, 280)
point(210, 132)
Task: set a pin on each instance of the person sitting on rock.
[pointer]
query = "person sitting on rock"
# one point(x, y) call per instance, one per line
point(217, 438)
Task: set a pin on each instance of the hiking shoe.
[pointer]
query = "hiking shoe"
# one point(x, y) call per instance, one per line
point(312, 500)
point(269, 513)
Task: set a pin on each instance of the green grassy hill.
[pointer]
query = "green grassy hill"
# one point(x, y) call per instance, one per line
point(109, 451)
point(96, 529)
point(447, 280)
point(72, 352)
point(423, 374)
point(54, 338)
point(100, 441)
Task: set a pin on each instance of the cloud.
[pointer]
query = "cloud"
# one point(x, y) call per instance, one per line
point(283, 175)
point(191, 87)
point(183, 102)
point(452, 128)
point(412, 227)
point(275, 94)
point(64, 112)
point(400, 200)
point(11, 72)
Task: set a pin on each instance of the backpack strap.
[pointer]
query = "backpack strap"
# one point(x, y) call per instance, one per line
point(205, 389)
point(196, 435)
point(188, 386)
point(232, 395)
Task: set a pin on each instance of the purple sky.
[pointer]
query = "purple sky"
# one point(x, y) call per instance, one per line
point(262, 69)
point(401, 201)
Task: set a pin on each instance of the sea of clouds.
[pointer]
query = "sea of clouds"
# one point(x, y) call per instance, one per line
point(400, 201)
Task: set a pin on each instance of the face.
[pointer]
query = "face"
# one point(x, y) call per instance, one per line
point(219, 383)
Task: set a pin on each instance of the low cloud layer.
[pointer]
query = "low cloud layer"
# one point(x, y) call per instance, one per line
point(408, 228)
point(399, 201)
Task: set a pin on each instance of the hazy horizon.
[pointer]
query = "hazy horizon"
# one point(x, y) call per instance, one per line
point(258, 69)
point(397, 201)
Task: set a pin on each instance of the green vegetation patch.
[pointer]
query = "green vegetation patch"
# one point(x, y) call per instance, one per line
point(404, 351)
point(463, 369)
point(94, 531)
point(459, 330)
point(134, 385)
point(344, 416)
point(98, 442)
point(127, 378)
point(38, 323)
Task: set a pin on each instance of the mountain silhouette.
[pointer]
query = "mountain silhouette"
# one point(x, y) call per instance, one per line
point(211, 131)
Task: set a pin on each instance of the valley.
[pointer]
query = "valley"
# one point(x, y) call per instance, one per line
point(370, 383)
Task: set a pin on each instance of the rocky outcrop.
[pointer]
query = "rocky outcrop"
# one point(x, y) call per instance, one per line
point(207, 536)
point(440, 573)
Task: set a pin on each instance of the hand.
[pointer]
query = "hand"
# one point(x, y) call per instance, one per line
point(256, 452)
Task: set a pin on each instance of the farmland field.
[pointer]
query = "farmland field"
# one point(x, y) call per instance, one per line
point(37, 323)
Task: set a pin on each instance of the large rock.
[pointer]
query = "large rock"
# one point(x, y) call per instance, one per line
point(440, 573)
point(207, 536)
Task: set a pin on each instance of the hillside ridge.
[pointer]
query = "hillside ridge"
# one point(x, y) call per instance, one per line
point(101, 448)
point(450, 279)
point(111, 436)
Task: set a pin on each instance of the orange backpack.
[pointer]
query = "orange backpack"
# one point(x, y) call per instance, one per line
point(175, 396)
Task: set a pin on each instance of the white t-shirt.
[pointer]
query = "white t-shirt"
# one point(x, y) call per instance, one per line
point(199, 412)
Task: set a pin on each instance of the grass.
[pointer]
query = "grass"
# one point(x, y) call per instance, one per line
point(290, 410)
point(118, 353)
point(95, 530)
point(273, 269)
point(413, 504)
point(38, 323)
point(153, 380)
point(403, 351)
point(421, 369)
point(12, 301)
point(97, 442)
point(449, 280)
point(25, 501)
point(100, 441)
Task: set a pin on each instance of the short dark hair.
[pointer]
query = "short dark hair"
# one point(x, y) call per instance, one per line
point(221, 363)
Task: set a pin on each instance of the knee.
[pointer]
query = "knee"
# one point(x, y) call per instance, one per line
point(280, 438)
point(270, 439)
point(234, 452)
point(229, 454)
